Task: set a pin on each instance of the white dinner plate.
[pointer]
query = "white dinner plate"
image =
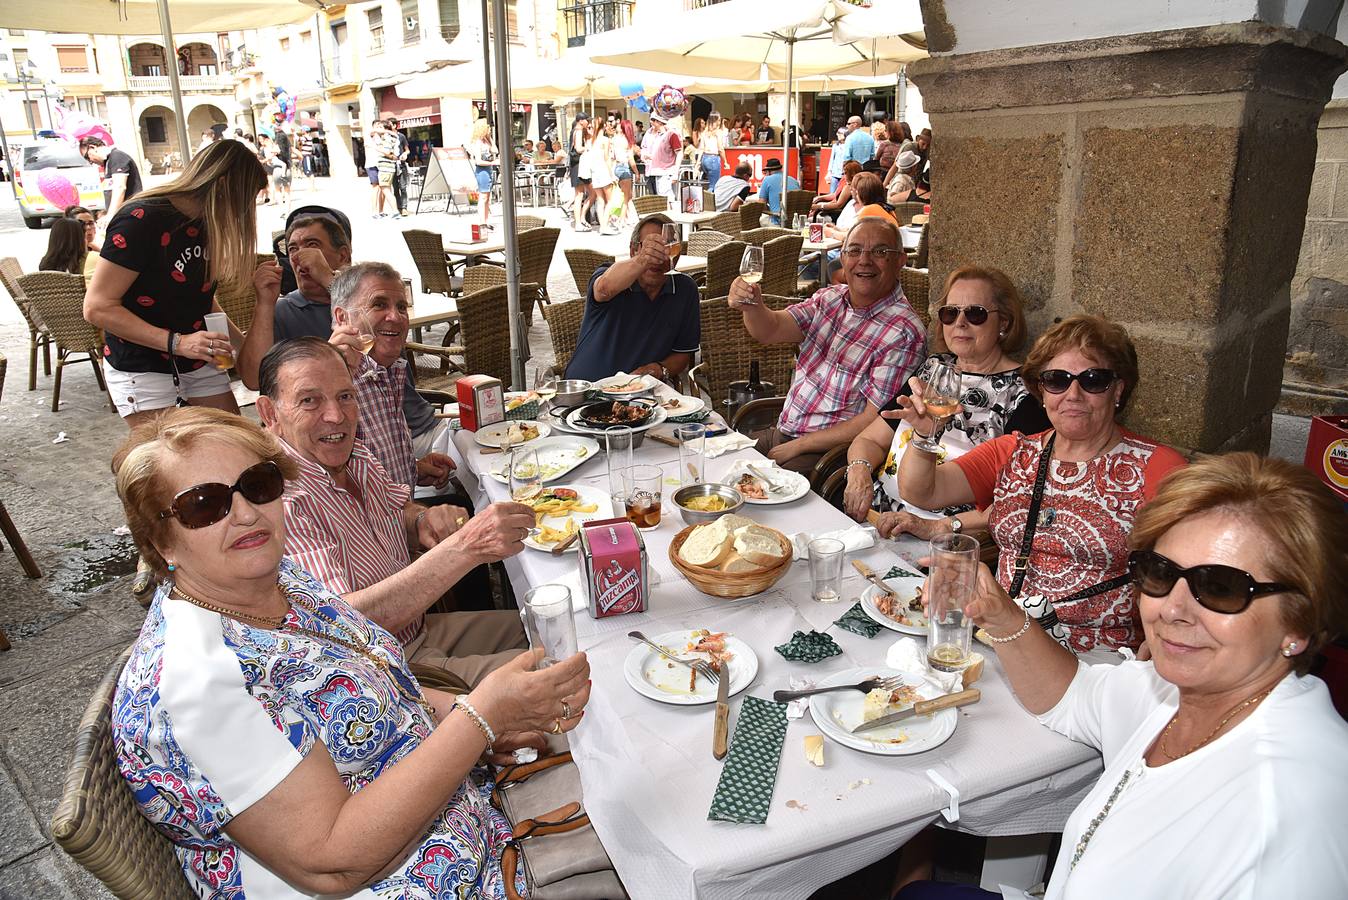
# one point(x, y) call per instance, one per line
point(837, 713)
point(573, 423)
point(799, 484)
point(687, 405)
point(905, 589)
point(557, 456)
point(494, 435)
point(588, 496)
point(606, 386)
point(651, 675)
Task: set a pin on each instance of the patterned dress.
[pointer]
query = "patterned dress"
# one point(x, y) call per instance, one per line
point(210, 714)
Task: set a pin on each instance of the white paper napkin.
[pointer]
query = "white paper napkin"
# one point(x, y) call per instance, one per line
point(773, 471)
point(910, 658)
point(728, 443)
point(858, 537)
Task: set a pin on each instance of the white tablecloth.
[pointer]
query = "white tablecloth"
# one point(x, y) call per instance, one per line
point(647, 769)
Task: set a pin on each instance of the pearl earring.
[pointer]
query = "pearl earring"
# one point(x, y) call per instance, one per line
point(1289, 650)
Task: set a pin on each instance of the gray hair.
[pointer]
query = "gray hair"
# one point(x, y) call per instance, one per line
point(877, 222)
point(660, 218)
point(285, 352)
point(347, 282)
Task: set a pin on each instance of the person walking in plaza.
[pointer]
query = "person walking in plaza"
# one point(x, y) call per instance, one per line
point(625, 164)
point(660, 151)
point(579, 163)
point(121, 175)
point(381, 153)
point(601, 172)
point(835, 160)
point(711, 147)
point(401, 174)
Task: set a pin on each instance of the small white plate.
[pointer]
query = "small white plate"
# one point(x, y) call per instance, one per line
point(903, 588)
point(494, 435)
point(587, 495)
point(687, 405)
point(606, 385)
point(837, 713)
point(651, 675)
point(557, 456)
point(799, 484)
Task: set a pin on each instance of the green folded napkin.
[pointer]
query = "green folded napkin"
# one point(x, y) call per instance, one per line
point(856, 621)
point(701, 415)
point(744, 792)
point(900, 572)
point(809, 646)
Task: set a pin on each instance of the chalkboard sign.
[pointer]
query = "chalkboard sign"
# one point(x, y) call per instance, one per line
point(837, 114)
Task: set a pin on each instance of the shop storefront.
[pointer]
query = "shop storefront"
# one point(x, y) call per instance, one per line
point(520, 113)
point(419, 120)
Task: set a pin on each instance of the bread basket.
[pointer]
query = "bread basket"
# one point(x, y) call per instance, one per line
point(727, 585)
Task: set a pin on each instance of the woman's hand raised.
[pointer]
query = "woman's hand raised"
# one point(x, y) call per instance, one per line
point(516, 698)
point(912, 410)
point(992, 608)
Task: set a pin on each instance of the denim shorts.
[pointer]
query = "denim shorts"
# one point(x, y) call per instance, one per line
point(621, 172)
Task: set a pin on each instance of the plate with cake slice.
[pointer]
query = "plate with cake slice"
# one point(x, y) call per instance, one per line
point(838, 712)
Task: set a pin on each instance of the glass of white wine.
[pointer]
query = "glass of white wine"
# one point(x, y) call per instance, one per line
point(526, 478)
point(364, 332)
point(751, 265)
point(673, 244)
point(941, 396)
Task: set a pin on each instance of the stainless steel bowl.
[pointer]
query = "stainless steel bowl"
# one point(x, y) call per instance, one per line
point(570, 392)
point(732, 498)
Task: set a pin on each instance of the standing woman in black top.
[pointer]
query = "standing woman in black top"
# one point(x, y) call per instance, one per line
point(163, 255)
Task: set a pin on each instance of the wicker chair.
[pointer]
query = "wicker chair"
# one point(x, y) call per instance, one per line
point(907, 209)
point(428, 253)
point(529, 223)
point(37, 334)
point(57, 300)
point(919, 260)
point(760, 236)
point(708, 201)
point(917, 288)
point(97, 821)
point(700, 242)
point(536, 248)
point(797, 204)
point(727, 350)
point(725, 223)
point(564, 326)
point(583, 264)
point(781, 265)
point(652, 203)
point(481, 277)
point(11, 533)
point(238, 298)
point(484, 346)
point(723, 267)
point(751, 214)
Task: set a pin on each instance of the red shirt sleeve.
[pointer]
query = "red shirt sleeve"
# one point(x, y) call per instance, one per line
point(1164, 460)
point(983, 464)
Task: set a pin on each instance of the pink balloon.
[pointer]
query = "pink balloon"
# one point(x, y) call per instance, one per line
point(57, 188)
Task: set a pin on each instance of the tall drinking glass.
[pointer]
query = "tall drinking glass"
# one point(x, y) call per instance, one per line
point(643, 486)
point(670, 234)
point(618, 451)
point(942, 399)
point(548, 623)
point(950, 586)
point(692, 439)
point(224, 358)
point(826, 563)
point(526, 478)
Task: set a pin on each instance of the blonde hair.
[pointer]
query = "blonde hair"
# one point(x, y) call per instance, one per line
point(879, 131)
point(1009, 305)
point(224, 179)
point(1303, 533)
point(141, 461)
point(481, 129)
point(1102, 340)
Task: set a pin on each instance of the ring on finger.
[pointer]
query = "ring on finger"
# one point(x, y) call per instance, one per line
point(566, 710)
point(556, 726)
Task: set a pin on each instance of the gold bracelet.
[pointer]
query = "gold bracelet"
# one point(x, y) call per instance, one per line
point(1011, 637)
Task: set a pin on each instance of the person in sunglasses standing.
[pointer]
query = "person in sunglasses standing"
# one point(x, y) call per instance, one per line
point(1060, 503)
point(1223, 758)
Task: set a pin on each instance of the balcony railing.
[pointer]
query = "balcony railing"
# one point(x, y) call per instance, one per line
point(585, 19)
point(160, 83)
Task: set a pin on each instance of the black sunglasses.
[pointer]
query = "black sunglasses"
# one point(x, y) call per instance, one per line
point(1222, 589)
point(974, 315)
point(1092, 381)
point(206, 504)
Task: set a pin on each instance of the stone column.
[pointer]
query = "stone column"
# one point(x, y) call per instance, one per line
point(1159, 179)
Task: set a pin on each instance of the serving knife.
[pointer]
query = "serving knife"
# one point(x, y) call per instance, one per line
point(922, 708)
point(722, 723)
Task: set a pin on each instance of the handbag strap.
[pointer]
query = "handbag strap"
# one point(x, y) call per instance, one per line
point(1022, 561)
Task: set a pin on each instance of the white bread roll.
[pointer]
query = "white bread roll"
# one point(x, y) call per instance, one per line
point(734, 522)
point(707, 545)
point(758, 545)
point(738, 565)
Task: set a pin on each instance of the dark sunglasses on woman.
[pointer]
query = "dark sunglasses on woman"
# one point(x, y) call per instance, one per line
point(1222, 589)
point(974, 315)
point(1092, 381)
point(206, 504)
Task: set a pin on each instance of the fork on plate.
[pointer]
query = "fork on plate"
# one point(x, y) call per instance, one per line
point(773, 487)
point(700, 666)
point(870, 684)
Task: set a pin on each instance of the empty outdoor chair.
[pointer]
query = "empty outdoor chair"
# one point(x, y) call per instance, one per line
point(483, 347)
point(751, 214)
point(583, 264)
point(727, 351)
point(906, 210)
point(781, 265)
point(726, 223)
point(57, 300)
point(37, 334)
point(708, 201)
point(652, 203)
point(564, 328)
point(428, 254)
point(699, 242)
point(760, 236)
point(536, 248)
point(797, 204)
point(723, 267)
point(528, 223)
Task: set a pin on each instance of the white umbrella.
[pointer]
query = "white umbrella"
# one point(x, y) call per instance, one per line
point(533, 79)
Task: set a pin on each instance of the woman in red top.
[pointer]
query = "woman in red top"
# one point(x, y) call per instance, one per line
point(1095, 477)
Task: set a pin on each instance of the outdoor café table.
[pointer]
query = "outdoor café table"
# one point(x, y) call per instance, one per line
point(911, 235)
point(646, 768)
point(469, 251)
point(431, 309)
point(817, 249)
point(690, 220)
point(691, 265)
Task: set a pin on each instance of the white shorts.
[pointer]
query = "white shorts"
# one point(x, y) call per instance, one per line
point(137, 392)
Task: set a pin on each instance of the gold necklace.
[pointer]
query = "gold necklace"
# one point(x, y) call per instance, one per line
point(271, 622)
point(1248, 701)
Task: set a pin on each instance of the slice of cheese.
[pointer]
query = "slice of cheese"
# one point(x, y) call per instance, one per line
point(875, 705)
point(814, 749)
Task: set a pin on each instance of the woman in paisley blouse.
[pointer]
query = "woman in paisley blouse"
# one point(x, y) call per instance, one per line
point(273, 733)
point(1097, 475)
point(982, 323)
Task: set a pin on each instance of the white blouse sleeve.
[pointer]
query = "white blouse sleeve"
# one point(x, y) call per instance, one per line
point(1105, 703)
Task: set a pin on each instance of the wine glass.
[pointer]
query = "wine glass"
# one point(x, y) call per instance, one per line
point(364, 331)
point(751, 264)
point(526, 478)
point(545, 386)
point(673, 244)
point(942, 399)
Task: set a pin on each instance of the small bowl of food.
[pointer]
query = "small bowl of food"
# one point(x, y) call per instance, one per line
point(569, 392)
point(703, 503)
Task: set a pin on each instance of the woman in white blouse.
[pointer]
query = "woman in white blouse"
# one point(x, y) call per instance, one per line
point(711, 143)
point(1224, 760)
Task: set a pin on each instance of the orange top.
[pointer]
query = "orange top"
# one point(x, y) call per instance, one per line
point(875, 210)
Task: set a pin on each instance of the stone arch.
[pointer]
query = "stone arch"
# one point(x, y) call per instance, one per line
point(158, 127)
point(147, 58)
point(198, 58)
point(204, 117)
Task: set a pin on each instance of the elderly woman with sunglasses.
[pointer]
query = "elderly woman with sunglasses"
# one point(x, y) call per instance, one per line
point(1223, 759)
point(982, 322)
point(273, 733)
point(1060, 503)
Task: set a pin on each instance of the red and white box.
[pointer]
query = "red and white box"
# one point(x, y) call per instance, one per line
point(1327, 452)
point(816, 232)
point(481, 401)
point(614, 567)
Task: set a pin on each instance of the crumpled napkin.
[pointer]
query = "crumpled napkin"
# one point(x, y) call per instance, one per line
point(772, 471)
point(728, 443)
point(857, 537)
point(856, 621)
point(809, 646)
point(910, 658)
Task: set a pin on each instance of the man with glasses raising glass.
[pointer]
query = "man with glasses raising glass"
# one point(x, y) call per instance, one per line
point(859, 341)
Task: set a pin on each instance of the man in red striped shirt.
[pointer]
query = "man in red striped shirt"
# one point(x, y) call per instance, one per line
point(354, 529)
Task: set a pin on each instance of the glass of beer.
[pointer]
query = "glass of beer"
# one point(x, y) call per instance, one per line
point(642, 496)
point(673, 245)
point(941, 396)
point(224, 359)
point(950, 586)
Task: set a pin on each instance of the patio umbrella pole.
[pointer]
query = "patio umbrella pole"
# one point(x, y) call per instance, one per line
point(786, 128)
point(519, 341)
point(171, 63)
point(486, 62)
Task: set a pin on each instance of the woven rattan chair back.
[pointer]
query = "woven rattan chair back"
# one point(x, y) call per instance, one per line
point(97, 821)
point(583, 264)
point(564, 327)
point(699, 242)
point(238, 299)
point(536, 248)
point(751, 214)
point(919, 259)
point(481, 277)
point(723, 267)
point(10, 270)
point(484, 332)
point(708, 201)
point(428, 253)
point(651, 203)
point(529, 223)
point(916, 285)
point(906, 210)
point(797, 204)
point(781, 265)
point(57, 300)
point(760, 236)
point(727, 350)
point(726, 223)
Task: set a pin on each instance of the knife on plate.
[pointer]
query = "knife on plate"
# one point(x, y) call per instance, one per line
point(722, 724)
point(922, 708)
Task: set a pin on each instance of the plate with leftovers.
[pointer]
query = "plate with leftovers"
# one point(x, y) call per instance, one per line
point(653, 676)
point(837, 713)
point(557, 456)
point(622, 387)
point(755, 489)
point(576, 426)
point(901, 609)
point(511, 434)
point(515, 399)
point(558, 512)
point(677, 405)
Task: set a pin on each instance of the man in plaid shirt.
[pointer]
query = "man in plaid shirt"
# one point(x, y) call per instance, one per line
point(859, 341)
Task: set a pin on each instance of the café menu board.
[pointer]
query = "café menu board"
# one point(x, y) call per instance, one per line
point(837, 115)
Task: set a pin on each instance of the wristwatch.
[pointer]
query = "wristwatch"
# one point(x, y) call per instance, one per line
point(956, 526)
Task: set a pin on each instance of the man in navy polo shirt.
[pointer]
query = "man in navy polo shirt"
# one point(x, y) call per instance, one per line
point(638, 318)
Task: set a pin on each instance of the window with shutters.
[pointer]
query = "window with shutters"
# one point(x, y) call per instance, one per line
point(449, 19)
point(72, 59)
point(411, 22)
point(376, 22)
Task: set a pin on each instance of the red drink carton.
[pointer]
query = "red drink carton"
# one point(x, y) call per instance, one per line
point(481, 401)
point(817, 232)
point(1327, 452)
point(475, 234)
point(614, 567)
